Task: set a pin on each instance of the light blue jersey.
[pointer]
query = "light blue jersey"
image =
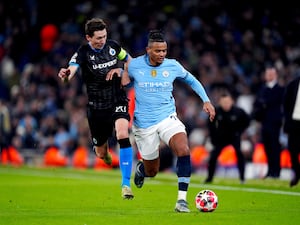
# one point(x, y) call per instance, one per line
point(153, 86)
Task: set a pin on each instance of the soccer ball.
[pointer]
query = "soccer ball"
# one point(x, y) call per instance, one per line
point(206, 201)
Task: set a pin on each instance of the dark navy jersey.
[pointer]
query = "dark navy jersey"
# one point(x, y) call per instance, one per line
point(228, 126)
point(95, 65)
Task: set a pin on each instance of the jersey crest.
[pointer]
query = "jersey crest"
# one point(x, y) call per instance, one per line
point(112, 51)
point(165, 73)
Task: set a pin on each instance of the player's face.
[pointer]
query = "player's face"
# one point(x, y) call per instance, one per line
point(157, 52)
point(98, 40)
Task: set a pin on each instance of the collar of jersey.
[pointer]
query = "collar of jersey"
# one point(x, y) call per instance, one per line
point(94, 49)
point(148, 60)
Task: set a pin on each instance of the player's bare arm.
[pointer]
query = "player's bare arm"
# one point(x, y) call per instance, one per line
point(125, 76)
point(66, 74)
point(210, 109)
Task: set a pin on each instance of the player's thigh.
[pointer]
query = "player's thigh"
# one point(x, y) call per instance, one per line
point(101, 125)
point(121, 119)
point(170, 128)
point(147, 141)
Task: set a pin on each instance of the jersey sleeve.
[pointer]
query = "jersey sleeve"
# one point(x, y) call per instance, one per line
point(77, 59)
point(121, 53)
point(190, 79)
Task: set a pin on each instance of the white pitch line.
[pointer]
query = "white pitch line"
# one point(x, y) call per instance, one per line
point(245, 189)
point(230, 188)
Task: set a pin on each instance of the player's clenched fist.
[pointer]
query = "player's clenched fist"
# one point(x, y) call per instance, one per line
point(64, 74)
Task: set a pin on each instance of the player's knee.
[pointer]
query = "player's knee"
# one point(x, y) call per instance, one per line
point(122, 134)
point(183, 151)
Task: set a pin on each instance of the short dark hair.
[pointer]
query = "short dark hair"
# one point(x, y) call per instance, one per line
point(156, 36)
point(93, 25)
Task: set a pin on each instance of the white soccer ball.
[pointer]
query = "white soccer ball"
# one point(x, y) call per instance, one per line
point(206, 201)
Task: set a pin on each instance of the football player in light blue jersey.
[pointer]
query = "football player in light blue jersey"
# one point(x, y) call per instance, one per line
point(155, 119)
point(153, 89)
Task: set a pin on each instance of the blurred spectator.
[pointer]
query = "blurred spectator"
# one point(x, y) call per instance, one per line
point(292, 125)
point(27, 129)
point(226, 129)
point(267, 110)
point(5, 125)
point(63, 140)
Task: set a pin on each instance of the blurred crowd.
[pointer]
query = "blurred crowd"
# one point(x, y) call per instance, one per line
point(225, 44)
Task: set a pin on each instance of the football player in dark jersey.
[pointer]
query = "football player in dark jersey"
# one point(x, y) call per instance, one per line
point(107, 107)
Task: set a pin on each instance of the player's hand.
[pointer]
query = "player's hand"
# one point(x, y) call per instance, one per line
point(64, 74)
point(210, 109)
point(114, 72)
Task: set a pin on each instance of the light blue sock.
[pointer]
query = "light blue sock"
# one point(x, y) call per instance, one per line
point(126, 155)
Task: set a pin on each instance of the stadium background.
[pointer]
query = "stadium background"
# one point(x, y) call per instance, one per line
point(224, 43)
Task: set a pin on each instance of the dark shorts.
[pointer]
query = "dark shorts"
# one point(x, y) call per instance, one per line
point(101, 122)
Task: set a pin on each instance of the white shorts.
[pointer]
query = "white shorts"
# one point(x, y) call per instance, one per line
point(148, 139)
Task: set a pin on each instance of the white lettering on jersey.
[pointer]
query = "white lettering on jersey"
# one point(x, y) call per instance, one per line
point(104, 65)
point(155, 86)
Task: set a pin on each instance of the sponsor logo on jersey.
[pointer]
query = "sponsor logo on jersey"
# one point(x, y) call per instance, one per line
point(155, 86)
point(104, 65)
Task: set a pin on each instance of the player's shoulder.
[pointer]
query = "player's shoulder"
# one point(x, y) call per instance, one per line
point(82, 51)
point(84, 47)
point(172, 62)
point(137, 59)
point(112, 43)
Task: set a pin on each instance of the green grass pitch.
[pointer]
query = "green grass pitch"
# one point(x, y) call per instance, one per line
point(65, 196)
